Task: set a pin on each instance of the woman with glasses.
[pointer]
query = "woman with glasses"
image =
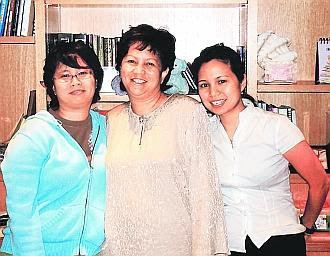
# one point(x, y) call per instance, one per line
point(54, 168)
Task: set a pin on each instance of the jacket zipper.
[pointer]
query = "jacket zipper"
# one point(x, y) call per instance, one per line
point(88, 189)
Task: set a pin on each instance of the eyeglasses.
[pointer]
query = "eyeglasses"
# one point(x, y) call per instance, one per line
point(67, 78)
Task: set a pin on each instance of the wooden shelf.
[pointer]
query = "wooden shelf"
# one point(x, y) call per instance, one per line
point(299, 87)
point(318, 242)
point(17, 40)
point(144, 2)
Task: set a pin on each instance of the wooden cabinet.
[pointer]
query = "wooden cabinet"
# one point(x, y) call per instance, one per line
point(17, 78)
point(302, 22)
point(20, 72)
point(318, 244)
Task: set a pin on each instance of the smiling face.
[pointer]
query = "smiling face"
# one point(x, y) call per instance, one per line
point(77, 93)
point(141, 73)
point(219, 88)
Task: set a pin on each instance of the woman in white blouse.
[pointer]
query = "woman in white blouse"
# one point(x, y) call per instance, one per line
point(253, 150)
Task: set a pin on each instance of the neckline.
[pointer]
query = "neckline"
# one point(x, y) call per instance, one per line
point(70, 123)
point(154, 111)
point(140, 124)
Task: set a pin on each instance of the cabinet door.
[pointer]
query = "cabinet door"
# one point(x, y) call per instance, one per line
point(17, 78)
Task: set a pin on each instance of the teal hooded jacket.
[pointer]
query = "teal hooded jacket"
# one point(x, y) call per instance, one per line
point(55, 198)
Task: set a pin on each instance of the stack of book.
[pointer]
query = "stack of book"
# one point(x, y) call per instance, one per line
point(104, 47)
point(16, 17)
point(282, 110)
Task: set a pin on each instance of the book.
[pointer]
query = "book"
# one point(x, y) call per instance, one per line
point(10, 17)
point(95, 44)
point(51, 41)
point(31, 109)
point(64, 37)
point(27, 18)
point(294, 116)
point(90, 40)
point(115, 42)
point(3, 15)
point(6, 21)
point(100, 53)
point(283, 110)
point(19, 18)
point(110, 56)
point(322, 67)
point(13, 31)
point(105, 51)
point(81, 36)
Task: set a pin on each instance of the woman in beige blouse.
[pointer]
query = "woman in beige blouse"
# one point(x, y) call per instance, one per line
point(162, 192)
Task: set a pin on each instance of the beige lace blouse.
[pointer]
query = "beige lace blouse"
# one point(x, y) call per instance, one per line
point(162, 190)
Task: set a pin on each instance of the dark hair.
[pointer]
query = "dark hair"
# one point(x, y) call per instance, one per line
point(67, 53)
point(223, 54)
point(160, 41)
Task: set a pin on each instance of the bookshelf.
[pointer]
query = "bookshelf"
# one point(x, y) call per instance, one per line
point(111, 16)
point(17, 79)
point(299, 87)
point(17, 40)
point(303, 22)
point(182, 18)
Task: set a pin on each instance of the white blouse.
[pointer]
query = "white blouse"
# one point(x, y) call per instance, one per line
point(254, 176)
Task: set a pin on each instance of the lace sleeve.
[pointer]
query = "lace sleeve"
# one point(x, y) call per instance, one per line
point(208, 231)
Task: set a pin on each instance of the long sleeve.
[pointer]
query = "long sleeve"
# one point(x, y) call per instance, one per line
point(21, 169)
point(208, 225)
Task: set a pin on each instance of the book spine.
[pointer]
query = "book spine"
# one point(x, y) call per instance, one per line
point(27, 18)
point(101, 51)
point(51, 41)
point(80, 37)
point(15, 18)
point(11, 13)
point(64, 37)
point(7, 20)
point(20, 17)
point(105, 51)
point(3, 15)
point(110, 56)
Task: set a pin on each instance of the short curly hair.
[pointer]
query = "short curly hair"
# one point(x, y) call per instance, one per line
point(160, 41)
